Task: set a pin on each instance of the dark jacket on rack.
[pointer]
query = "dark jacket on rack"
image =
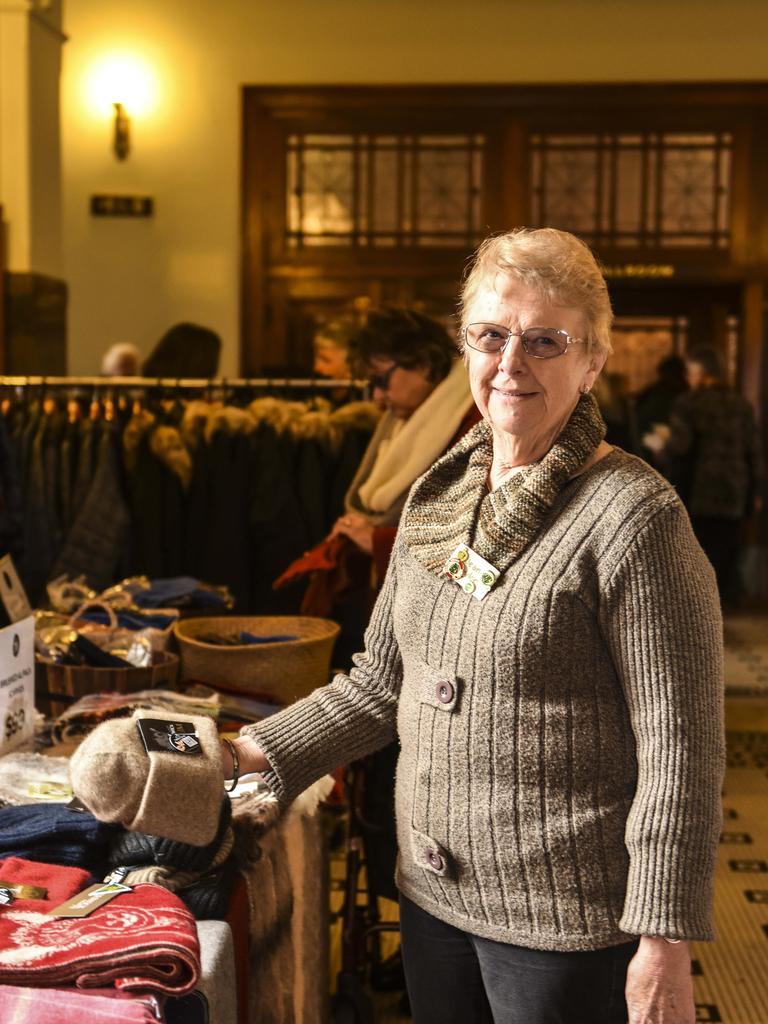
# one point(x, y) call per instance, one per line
point(157, 502)
point(275, 521)
point(11, 511)
point(96, 546)
point(42, 529)
point(86, 464)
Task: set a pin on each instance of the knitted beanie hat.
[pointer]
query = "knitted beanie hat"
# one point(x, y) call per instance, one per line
point(166, 791)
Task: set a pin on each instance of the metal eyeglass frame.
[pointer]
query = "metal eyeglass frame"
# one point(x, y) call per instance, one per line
point(381, 380)
point(511, 334)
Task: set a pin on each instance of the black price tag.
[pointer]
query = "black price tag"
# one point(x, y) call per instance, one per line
point(164, 737)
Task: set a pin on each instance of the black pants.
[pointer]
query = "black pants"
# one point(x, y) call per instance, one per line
point(457, 978)
point(721, 540)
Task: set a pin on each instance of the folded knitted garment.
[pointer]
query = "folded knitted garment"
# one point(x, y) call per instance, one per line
point(172, 789)
point(143, 940)
point(206, 893)
point(174, 878)
point(54, 834)
point(71, 1006)
point(94, 708)
point(137, 849)
point(209, 898)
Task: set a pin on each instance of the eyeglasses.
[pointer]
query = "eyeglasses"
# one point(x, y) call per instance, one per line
point(381, 380)
point(539, 342)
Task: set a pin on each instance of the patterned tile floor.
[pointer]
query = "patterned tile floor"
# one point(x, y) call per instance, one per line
point(730, 975)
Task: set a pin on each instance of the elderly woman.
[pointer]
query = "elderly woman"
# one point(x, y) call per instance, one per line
point(547, 645)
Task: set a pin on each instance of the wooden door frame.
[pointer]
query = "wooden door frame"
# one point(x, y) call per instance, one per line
point(511, 111)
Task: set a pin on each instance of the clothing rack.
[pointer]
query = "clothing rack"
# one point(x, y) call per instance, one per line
point(189, 383)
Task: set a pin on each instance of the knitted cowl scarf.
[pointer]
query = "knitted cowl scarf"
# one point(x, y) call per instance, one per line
point(450, 504)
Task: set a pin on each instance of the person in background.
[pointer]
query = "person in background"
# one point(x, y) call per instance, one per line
point(561, 736)
point(185, 350)
point(653, 405)
point(120, 360)
point(419, 382)
point(712, 455)
point(612, 394)
point(331, 348)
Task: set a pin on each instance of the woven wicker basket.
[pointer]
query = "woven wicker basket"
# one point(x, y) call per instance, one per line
point(73, 681)
point(288, 669)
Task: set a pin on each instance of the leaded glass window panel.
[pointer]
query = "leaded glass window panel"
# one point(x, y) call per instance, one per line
point(384, 190)
point(568, 193)
point(629, 190)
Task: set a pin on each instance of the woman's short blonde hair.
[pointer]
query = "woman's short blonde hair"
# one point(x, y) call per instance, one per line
point(558, 265)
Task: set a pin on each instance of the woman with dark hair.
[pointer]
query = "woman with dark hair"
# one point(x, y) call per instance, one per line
point(419, 381)
point(185, 350)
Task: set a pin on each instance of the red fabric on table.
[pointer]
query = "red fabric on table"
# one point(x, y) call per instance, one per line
point(60, 882)
point(71, 1006)
point(145, 939)
point(323, 557)
point(334, 567)
point(383, 542)
point(237, 919)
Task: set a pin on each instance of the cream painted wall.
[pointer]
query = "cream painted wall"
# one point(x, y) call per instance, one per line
point(129, 280)
point(30, 179)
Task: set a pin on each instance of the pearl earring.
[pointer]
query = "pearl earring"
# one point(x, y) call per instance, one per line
point(585, 389)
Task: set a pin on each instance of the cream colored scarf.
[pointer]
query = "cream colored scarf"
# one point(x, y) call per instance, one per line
point(399, 454)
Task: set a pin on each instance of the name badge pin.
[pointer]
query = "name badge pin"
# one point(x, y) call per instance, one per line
point(471, 572)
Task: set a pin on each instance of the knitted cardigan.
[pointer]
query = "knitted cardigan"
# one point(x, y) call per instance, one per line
point(562, 748)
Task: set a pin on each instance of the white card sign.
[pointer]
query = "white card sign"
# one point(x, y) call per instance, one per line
point(17, 683)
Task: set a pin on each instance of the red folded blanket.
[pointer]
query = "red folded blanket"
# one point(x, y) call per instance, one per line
point(144, 939)
point(69, 1006)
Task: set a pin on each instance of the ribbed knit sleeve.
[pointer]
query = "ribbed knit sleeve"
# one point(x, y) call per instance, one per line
point(352, 716)
point(661, 618)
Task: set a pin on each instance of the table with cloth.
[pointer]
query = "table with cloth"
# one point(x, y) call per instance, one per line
point(257, 957)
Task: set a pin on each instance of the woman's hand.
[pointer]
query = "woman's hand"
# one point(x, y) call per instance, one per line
point(249, 753)
point(659, 984)
point(357, 528)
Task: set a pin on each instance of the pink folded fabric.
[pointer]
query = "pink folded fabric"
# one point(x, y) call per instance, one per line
point(69, 1006)
point(143, 940)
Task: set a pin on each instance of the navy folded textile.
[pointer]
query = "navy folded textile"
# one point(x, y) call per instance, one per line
point(54, 834)
point(128, 619)
point(243, 639)
point(277, 638)
point(179, 592)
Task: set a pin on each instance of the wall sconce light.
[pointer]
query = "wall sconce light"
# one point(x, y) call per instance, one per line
point(117, 83)
point(122, 142)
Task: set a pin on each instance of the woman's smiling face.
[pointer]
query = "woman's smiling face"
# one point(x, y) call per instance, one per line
point(519, 395)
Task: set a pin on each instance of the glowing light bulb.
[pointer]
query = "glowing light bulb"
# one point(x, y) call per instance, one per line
point(121, 78)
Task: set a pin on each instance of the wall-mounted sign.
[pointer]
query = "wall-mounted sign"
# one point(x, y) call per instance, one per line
point(122, 206)
point(645, 270)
